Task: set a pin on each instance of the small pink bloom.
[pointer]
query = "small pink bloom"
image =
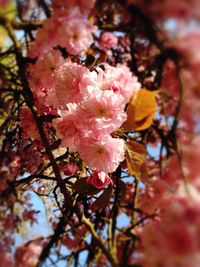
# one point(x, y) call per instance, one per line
point(69, 29)
point(44, 72)
point(69, 130)
point(28, 255)
point(46, 37)
point(107, 41)
point(31, 158)
point(99, 179)
point(181, 240)
point(118, 79)
point(69, 168)
point(76, 35)
point(6, 258)
point(124, 82)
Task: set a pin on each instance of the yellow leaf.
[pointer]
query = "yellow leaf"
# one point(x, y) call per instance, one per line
point(3, 35)
point(145, 123)
point(7, 10)
point(135, 157)
point(140, 111)
point(145, 104)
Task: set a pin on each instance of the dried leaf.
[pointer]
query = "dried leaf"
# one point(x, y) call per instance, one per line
point(103, 200)
point(135, 157)
point(7, 10)
point(82, 186)
point(140, 111)
point(145, 123)
point(145, 104)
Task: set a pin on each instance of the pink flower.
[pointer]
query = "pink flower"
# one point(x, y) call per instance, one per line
point(28, 254)
point(107, 41)
point(103, 153)
point(69, 168)
point(123, 81)
point(118, 79)
point(104, 111)
point(76, 35)
point(175, 234)
point(46, 37)
point(187, 43)
point(69, 29)
point(69, 130)
point(43, 77)
point(99, 179)
point(180, 240)
point(44, 72)
point(31, 158)
point(28, 124)
point(6, 258)
point(70, 85)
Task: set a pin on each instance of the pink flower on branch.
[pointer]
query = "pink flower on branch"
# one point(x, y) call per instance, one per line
point(69, 130)
point(99, 179)
point(103, 153)
point(71, 86)
point(104, 111)
point(107, 41)
point(118, 79)
point(69, 30)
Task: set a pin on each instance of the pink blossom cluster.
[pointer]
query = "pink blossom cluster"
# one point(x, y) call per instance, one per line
point(68, 27)
point(186, 43)
point(91, 105)
point(173, 239)
point(6, 258)
point(27, 255)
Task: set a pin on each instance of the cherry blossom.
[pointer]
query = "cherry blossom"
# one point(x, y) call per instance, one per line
point(65, 30)
point(107, 41)
point(104, 111)
point(99, 179)
point(69, 130)
point(27, 254)
point(100, 123)
point(103, 153)
point(71, 84)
